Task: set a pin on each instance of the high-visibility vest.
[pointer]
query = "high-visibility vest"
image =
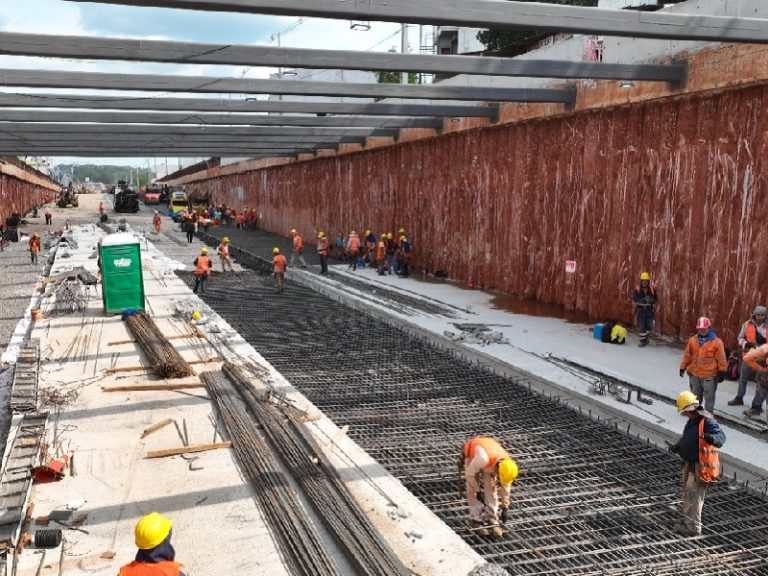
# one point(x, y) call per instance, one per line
point(298, 243)
point(223, 250)
point(492, 448)
point(279, 263)
point(203, 266)
point(354, 244)
point(157, 569)
point(709, 459)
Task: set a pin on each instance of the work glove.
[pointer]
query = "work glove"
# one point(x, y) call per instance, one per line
point(504, 514)
point(674, 448)
point(682, 372)
point(708, 438)
point(720, 377)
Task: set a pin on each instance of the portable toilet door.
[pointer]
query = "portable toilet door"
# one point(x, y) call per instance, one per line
point(121, 274)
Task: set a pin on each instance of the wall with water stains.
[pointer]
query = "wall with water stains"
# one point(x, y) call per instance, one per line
point(675, 187)
point(20, 192)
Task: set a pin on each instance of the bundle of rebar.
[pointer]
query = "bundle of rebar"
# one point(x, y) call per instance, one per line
point(317, 477)
point(164, 358)
point(293, 530)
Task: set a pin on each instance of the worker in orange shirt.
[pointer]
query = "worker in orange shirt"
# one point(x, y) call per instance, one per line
point(156, 555)
point(202, 270)
point(34, 247)
point(353, 249)
point(705, 362)
point(485, 461)
point(381, 253)
point(156, 222)
point(223, 251)
point(297, 249)
point(101, 208)
point(322, 251)
point(278, 268)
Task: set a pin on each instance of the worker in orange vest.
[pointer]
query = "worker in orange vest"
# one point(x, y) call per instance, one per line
point(34, 247)
point(156, 222)
point(485, 461)
point(381, 253)
point(223, 251)
point(101, 208)
point(278, 268)
point(697, 447)
point(202, 270)
point(156, 556)
point(353, 249)
point(705, 362)
point(297, 249)
point(322, 251)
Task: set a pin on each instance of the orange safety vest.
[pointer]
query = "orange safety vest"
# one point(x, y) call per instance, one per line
point(709, 459)
point(279, 263)
point(298, 243)
point(203, 265)
point(492, 448)
point(158, 569)
point(322, 246)
point(380, 249)
point(223, 250)
point(354, 243)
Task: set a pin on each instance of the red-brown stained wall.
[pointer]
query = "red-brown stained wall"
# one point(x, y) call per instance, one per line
point(19, 196)
point(674, 187)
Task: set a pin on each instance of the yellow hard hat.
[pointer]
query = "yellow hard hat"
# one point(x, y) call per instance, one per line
point(151, 530)
point(645, 276)
point(401, 231)
point(507, 471)
point(320, 234)
point(203, 250)
point(389, 235)
point(293, 230)
point(275, 250)
point(196, 315)
point(353, 232)
point(367, 232)
point(225, 239)
point(685, 399)
point(34, 234)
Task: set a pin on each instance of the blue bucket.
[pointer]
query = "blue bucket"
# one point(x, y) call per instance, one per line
point(597, 331)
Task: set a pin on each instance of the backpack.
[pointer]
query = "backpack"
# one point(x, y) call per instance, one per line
point(734, 365)
point(618, 334)
point(605, 335)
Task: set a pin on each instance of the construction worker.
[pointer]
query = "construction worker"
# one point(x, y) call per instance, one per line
point(369, 248)
point(156, 556)
point(202, 270)
point(751, 336)
point(381, 253)
point(755, 359)
point(645, 298)
point(484, 460)
point(223, 251)
point(391, 254)
point(704, 360)
point(353, 249)
point(698, 448)
point(278, 268)
point(156, 222)
point(48, 216)
point(34, 247)
point(403, 254)
point(322, 251)
point(101, 208)
point(297, 248)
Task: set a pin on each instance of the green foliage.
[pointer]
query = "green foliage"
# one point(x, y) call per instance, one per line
point(108, 175)
point(498, 39)
point(394, 77)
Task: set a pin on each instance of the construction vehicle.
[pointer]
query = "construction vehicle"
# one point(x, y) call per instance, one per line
point(68, 197)
point(126, 200)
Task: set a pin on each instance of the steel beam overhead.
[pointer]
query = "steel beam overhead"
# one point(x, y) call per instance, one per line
point(185, 118)
point(138, 139)
point(100, 153)
point(68, 101)
point(506, 15)
point(185, 52)
point(117, 130)
point(210, 84)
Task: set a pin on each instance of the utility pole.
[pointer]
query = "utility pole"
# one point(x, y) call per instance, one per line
point(404, 50)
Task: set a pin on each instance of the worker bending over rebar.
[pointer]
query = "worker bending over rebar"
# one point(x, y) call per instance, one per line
point(484, 459)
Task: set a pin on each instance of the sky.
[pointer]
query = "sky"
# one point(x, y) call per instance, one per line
point(89, 19)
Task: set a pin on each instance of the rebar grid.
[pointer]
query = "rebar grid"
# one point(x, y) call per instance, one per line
point(590, 498)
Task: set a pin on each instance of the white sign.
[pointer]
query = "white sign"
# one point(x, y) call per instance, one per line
point(570, 266)
point(122, 263)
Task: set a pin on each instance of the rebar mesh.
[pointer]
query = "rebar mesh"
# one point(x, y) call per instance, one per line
point(590, 499)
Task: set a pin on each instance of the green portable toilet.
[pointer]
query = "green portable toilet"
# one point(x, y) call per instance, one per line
point(122, 281)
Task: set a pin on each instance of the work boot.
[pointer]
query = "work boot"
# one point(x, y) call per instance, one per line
point(479, 528)
point(643, 343)
point(736, 402)
point(497, 532)
point(753, 412)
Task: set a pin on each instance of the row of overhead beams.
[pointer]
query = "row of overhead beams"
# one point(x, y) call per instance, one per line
point(127, 124)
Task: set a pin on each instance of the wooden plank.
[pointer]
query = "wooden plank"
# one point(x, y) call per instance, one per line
point(139, 368)
point(187, 450)
point(178, 337)
point(150, 387)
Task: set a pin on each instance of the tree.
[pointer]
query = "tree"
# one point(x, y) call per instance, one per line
point(394, 77)
point(495, 40)
point(108, 175)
